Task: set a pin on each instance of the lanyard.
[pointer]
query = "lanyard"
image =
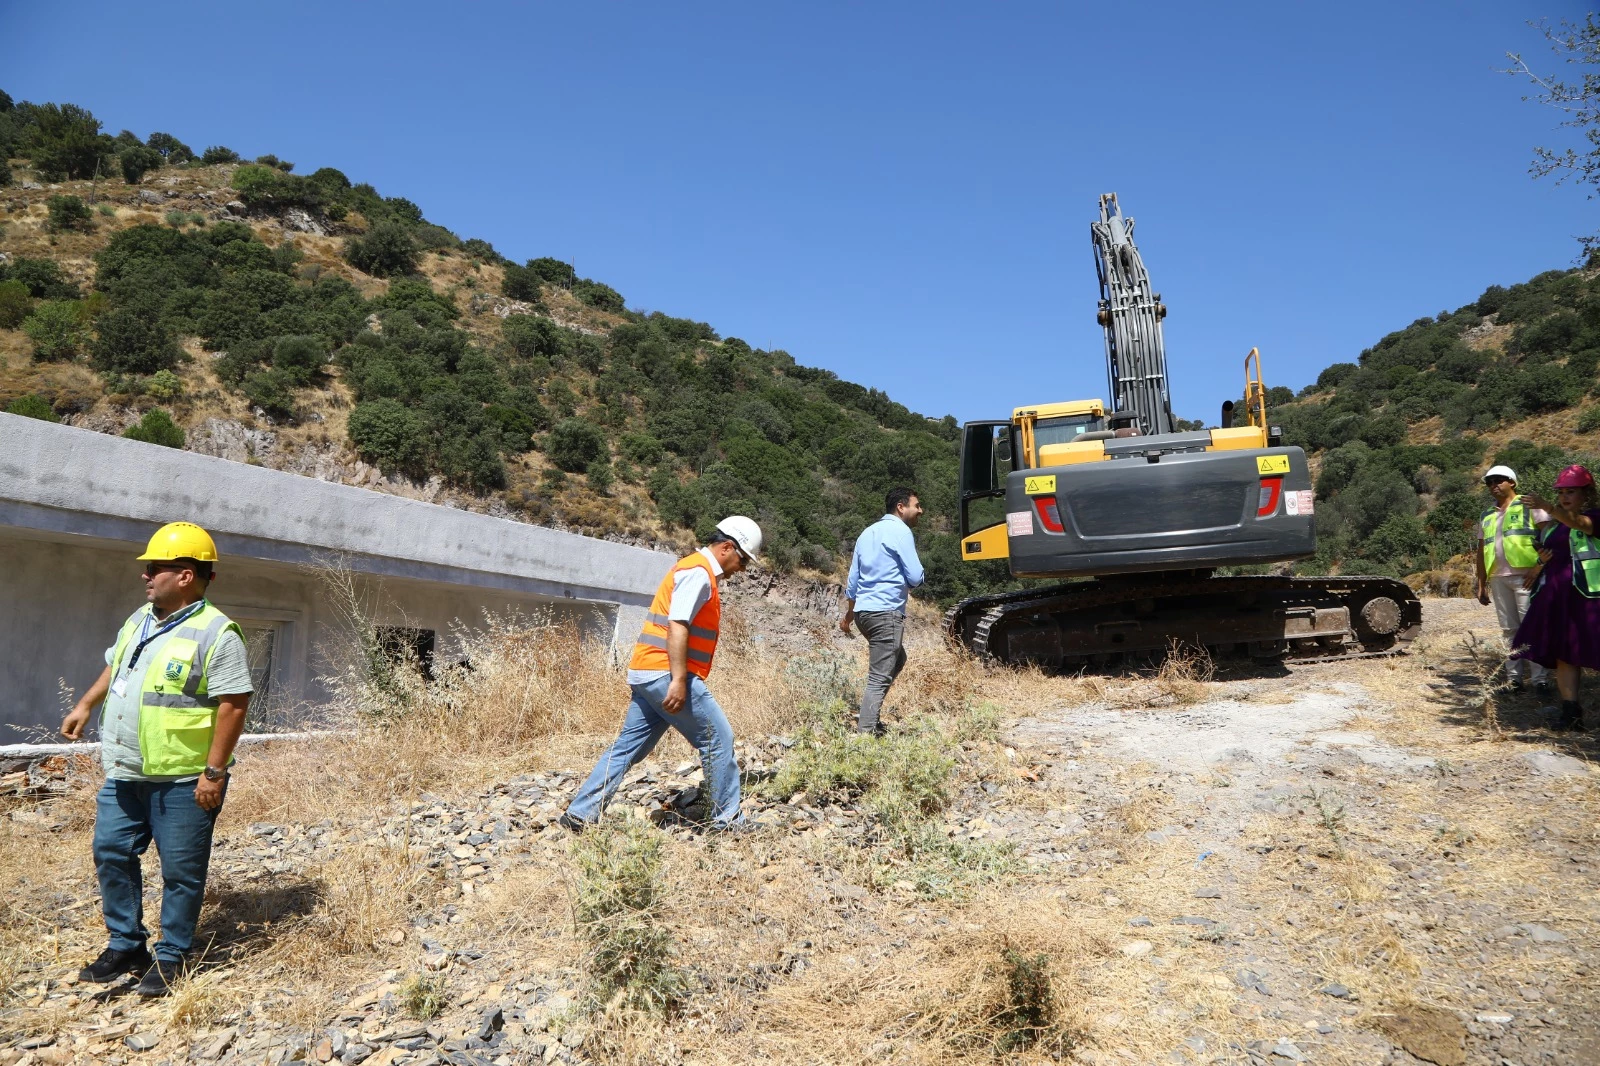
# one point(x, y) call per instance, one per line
point(170, 624)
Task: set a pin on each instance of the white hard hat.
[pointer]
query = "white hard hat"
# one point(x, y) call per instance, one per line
point(1501, 471)
point(745, 533)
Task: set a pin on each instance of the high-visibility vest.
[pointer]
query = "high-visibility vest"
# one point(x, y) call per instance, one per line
point(650, 651)
point(1517, 535)
point(177, 715)
point(1585, 564)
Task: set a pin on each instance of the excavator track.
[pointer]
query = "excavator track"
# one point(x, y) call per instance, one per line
point(1101, 622)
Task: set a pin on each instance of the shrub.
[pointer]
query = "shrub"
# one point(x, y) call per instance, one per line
point(615, 906)
point(270, 160)
point(131, 342)
point(33, 406)
point(520, 283)
point(601, 476)
point(575, 443)
point(68, 212)
point(388, 250)
point(599, 295)
point(269, 390)
point(1589, 421)
point(42, 277)
point(389, 434)
point(164, 385)
point(156, 427)
point(56, 329)
point(552, 271)
point(478, 248)
point(267, 189)
point(136, 160)
point(5, 173)
point(642, 448)
point(299, 359)
point(531, 336)
point(218, 154)
point(15, 303)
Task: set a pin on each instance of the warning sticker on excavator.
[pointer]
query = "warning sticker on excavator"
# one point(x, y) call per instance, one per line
point(1272, 464)
point(1038, 486)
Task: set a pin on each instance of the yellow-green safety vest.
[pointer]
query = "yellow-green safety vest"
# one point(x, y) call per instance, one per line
point(1518, 536)
point(177, 715)
point(1585, 564)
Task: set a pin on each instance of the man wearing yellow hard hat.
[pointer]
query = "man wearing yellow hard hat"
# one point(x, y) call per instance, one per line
point(176, 686)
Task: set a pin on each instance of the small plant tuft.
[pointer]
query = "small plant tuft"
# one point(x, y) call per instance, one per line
point(156, 427)
point(423, 996)
point(616, 906)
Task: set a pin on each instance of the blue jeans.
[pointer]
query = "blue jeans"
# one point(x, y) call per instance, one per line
point(701, 722)
point(128, 816)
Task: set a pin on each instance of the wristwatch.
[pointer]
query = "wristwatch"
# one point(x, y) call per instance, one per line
point(214, 774)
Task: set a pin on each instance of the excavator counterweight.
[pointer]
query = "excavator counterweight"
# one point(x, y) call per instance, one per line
point(1136, 516)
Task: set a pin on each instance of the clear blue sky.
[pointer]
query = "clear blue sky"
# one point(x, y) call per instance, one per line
point(899, 192)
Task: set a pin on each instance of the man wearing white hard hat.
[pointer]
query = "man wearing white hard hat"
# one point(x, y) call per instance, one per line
point(667, 676)
point(1508, 563)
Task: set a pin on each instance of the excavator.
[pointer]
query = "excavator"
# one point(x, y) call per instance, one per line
point(1134, 514)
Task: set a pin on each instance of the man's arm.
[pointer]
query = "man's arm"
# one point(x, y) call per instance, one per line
point(1483, 575)
point(678, 665)
point(910, 563)
point(78, 717)
point(224, 738)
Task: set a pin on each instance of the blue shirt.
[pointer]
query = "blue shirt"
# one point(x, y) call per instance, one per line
point(884, 566)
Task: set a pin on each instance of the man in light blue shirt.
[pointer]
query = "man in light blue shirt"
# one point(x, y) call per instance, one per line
point(883, 569)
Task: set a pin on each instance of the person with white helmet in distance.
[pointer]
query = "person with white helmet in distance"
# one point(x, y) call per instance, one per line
point(1508, 563)
point(667, 676)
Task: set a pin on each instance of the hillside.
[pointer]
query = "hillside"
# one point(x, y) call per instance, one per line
point(313, 325)
point(1401, 437)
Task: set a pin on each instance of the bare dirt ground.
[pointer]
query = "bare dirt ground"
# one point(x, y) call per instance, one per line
point(1344, 863)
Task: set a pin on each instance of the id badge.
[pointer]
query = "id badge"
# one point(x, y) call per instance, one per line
point(119, 687)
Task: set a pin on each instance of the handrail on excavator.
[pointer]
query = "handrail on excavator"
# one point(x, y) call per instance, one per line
point(1255, 392)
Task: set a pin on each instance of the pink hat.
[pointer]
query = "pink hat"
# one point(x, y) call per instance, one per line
point(1574, 477)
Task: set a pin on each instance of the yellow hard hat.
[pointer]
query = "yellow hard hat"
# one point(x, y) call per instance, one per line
point(181, 540)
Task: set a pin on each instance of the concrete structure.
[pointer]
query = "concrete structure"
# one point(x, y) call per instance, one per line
point(76, 507)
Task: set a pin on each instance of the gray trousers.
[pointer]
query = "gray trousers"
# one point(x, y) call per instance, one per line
point(886, 657)
point(1510, 601)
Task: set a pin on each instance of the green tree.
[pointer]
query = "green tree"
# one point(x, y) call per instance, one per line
point(299, 359)
point(136, 160)
point(391, 435)
point(172, 150)
point(68, 212)
point(33, 406)
point(218, 154)
point(386, 251)
point(56, 329)
point(65, 143)
point(15, 303)
point(575, 443)
point(156, 427)
point(599, 295)
point(1577, 45)
point(131, 342)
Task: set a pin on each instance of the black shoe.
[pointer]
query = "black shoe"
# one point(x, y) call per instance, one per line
point(159, 979)
point(113, 963)
point(1570, 717)
point(575, 825)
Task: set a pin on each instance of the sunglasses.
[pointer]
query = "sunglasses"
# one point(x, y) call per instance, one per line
point(1493, 481)
point(152, 569)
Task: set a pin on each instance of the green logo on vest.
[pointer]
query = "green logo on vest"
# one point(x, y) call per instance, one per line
point(174, 669)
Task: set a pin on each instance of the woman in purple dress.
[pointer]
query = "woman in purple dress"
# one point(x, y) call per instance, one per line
point(1562, 626)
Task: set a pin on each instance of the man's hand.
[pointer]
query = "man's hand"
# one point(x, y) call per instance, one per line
point(208, 794)
point(1483, 595)
point(72, 725)
point(1530, 579)
point(844, 623)
point(677, 695)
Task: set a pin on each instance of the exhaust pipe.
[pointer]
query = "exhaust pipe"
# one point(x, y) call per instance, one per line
point(1227, 414)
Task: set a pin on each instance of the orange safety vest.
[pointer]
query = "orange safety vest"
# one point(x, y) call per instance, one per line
point(650, 651)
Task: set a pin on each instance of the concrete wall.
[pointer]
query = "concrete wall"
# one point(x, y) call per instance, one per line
point(76, 507)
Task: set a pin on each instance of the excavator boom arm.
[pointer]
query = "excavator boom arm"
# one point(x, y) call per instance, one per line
point(1130, 313)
